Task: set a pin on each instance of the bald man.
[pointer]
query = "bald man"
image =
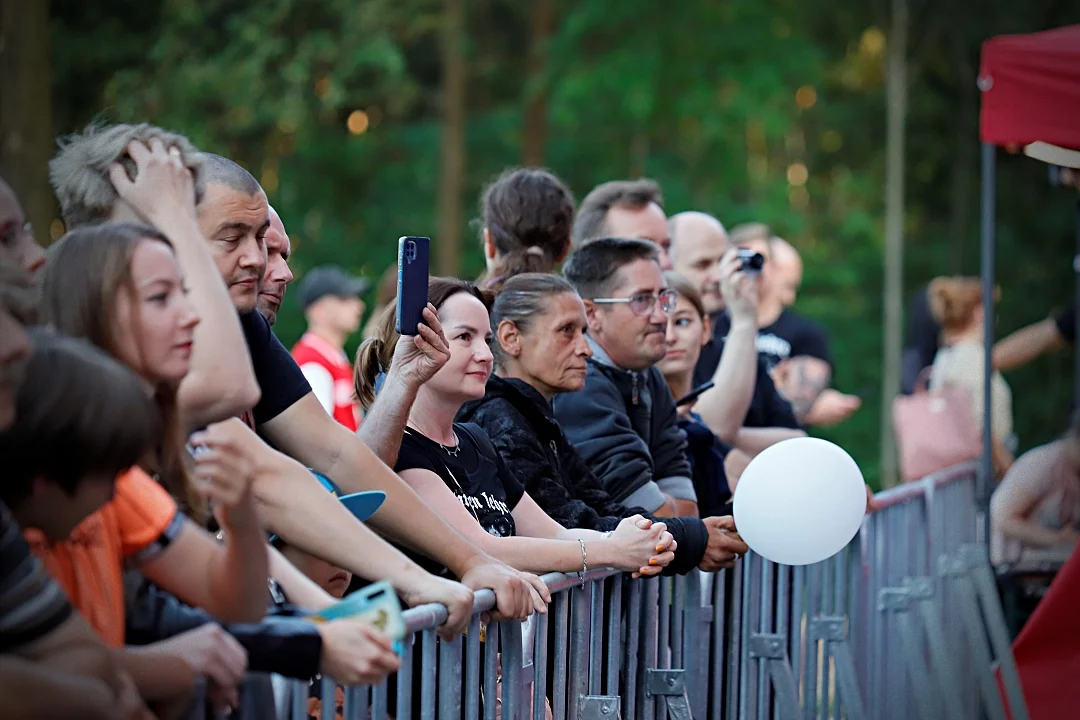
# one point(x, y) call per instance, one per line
point(787, 270)
point(278, 275)
point(743, 408)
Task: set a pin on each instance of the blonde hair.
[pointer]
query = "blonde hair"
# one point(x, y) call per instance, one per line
point(953, 301)
point(79, 172)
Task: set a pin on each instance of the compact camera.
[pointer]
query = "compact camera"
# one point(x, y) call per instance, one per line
point(750, 262)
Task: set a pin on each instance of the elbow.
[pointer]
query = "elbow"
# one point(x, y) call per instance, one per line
point(215, 402)
point(728, 430)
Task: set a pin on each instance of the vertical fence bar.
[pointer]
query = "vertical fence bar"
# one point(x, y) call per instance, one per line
point(695, 642)
point(596, 633)
point(765, 625)
point(796, 641)
point(663, 642)
point(632, 666)
point(328, 698)
point(747, 697)
point(839, 608)
point(472, 670)
point(810, 667)
point(405, 680)
point(820, 649)
point(612, 623)
point(450, 679)
point(491, 672)
point(561, 614)
point(428, 660)
point(580, 643)
point(735, 633)
point(510, 636)
point(380, 702)
point(719, 677)
point(540, 656)
point(649, 605)
point(678, 617)
point(783, 591)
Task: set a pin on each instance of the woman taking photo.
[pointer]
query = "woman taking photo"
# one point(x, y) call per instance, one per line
point(687, 333)
point(456, 469)
point(540, 351)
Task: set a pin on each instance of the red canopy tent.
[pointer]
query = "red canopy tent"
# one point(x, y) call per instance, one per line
point(1031, 101)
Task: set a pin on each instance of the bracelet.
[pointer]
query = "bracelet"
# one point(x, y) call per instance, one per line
point(584, 562)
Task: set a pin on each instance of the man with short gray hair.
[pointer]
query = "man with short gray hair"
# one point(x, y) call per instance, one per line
point(627, 209)
point(624, 421)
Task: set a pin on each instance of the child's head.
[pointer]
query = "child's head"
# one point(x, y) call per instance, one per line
point(330, 578)
point(82, 418)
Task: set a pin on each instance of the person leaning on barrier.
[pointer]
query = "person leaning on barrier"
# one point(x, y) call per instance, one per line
point(538, 322)
point(233, 217)
point(454, 466)
point(623, 422)
point(51, 663)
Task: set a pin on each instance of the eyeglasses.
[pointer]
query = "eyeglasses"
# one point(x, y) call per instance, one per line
point(643, 303)
point(14, 232)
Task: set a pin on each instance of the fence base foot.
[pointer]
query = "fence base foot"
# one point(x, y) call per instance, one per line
point(600, 707)
point(671, 686)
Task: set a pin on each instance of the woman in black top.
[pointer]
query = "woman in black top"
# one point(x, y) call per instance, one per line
point(457, 471)
point(539, 321)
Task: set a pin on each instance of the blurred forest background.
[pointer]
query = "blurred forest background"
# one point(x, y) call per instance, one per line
point(368, 120)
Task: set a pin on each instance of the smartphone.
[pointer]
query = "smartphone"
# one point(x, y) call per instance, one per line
point(377, 605)
point(695, 394)
point(412, 283)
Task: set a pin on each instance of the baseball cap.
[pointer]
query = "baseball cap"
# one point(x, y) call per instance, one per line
point(362, 504)
point(318, 282)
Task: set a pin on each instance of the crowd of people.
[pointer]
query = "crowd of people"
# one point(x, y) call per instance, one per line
point(165, 513)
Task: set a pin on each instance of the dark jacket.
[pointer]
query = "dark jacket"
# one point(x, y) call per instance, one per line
point(624, 424)
point(523, 428)
point(283, 643)
point(707, 453)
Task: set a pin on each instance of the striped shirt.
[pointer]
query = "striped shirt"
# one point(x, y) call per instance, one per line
point(31, 602)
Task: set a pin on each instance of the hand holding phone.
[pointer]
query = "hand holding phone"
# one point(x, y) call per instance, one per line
point(412, 288)
point(377, 605)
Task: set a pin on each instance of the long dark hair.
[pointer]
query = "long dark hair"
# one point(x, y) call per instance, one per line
point(86, 271)
point(377, 352)
point(529, 213)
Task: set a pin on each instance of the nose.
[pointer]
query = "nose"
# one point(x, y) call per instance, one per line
point(658, 316)
point(583, 348)
point(483, 353)
point(253, 254)
point(189, 316)
point(669, 337)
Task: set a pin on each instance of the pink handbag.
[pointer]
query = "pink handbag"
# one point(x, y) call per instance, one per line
point(934, 430)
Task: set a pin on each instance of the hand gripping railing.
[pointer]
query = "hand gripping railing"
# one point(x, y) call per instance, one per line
point(903, 623)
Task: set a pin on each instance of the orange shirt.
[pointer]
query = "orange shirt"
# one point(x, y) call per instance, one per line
point(137, 524)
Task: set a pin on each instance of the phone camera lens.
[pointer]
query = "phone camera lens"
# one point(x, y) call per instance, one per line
point(410, 250)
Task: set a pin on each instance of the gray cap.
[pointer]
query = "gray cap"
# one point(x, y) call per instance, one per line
point(318, 282)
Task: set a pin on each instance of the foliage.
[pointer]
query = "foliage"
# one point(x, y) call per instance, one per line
point(720, 102)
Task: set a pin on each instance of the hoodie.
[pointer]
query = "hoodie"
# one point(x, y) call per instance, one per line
point(522, 426)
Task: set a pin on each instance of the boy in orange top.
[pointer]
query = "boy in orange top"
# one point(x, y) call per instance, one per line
point(72, 483)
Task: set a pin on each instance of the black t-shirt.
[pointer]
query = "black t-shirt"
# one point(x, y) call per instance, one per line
point(1066, 323)
point(790, 335)
point(279, 377)
point(477, 476)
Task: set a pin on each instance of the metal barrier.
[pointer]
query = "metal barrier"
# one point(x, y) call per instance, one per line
point(904, 623)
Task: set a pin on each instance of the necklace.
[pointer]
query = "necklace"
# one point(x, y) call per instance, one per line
point(452, 451)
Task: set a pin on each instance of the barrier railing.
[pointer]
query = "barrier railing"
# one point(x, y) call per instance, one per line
point(903, 623)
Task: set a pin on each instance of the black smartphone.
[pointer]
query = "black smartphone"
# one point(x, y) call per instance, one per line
point(412, 283)
point(694, 394)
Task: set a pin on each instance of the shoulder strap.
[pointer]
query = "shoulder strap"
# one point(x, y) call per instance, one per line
point(481, 440)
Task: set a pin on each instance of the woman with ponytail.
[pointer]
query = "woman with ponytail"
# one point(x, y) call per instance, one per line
point(527, 214)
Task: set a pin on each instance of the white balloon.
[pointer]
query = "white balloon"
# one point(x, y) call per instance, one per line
point(800, 501)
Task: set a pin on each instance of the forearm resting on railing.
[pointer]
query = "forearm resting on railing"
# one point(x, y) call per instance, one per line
point(159, 675)
point(753, 440)
point(1029, 532)
point(289, 496)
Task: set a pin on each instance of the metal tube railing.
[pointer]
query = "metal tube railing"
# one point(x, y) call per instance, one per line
point(843, 639)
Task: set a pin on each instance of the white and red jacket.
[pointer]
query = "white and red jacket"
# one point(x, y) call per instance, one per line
point(330, 374)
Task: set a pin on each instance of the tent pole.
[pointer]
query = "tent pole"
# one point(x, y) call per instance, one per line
point(1076, 355)
point(984, 482)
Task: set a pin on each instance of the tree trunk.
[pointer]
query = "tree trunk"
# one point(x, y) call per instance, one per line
point(534, 133)
point(26, 141)
point(896, 109)
point(448, 242)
